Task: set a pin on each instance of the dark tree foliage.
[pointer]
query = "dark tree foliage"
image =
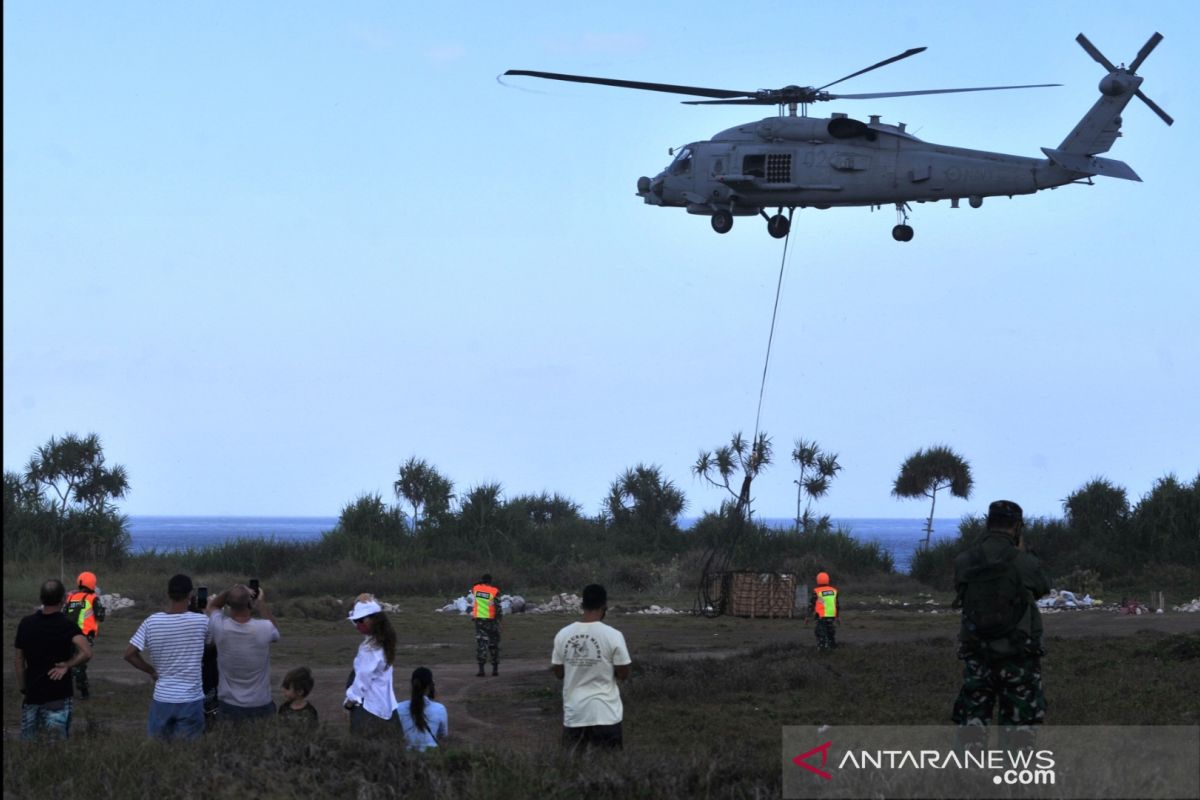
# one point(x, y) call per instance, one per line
point(369, 517)
point(426, 490)
point(641, 503)
point(926, 472)
point(62, 503)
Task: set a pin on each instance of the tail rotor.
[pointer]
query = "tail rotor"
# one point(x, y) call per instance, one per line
point(1147, 48)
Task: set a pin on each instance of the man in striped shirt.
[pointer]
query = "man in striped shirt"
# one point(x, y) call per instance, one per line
point(175, 639)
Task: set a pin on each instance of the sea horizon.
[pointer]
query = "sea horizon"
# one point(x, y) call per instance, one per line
point(899, 536)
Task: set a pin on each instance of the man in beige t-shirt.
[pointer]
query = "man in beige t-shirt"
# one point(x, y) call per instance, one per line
point(590, 657)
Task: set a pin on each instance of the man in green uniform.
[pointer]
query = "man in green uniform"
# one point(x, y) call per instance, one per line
point(1000, 642)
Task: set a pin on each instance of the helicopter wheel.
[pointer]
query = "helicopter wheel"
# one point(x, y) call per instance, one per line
point(902, 233)
point(722, 221)
point(778, 226)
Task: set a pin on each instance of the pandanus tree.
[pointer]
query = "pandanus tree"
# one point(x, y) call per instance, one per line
point(722, 466)
point(817, 471)
point(928, 471)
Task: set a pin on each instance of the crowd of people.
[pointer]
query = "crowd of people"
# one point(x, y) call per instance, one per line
point(219, 649)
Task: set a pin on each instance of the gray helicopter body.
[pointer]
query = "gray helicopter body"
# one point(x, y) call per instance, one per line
point(811, 162)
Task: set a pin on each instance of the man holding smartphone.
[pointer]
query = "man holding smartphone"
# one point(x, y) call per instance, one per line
point(175, 641)
point(243, 652)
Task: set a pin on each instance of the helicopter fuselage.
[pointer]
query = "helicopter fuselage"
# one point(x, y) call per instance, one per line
point(809, 162)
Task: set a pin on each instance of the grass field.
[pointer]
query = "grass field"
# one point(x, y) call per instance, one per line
point(703, 709)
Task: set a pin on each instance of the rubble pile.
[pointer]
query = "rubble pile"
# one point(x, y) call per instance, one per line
point(558, 604)
point(655, 609)
point(114, 602)
point(1065, 599)
point(509, 604)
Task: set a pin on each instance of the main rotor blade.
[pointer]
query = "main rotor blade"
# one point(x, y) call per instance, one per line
point(1154, 107)
point(884, 63)
point(1094, 53)
point(699, 91)
point(874, 95)
point(1150, 44)
point(744, 102)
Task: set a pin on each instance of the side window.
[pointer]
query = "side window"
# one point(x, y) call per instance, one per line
point(755, 166)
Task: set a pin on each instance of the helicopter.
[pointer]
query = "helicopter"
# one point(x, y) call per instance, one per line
point(789, 161)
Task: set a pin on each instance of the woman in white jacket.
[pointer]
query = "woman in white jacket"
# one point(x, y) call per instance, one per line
point(370, 698)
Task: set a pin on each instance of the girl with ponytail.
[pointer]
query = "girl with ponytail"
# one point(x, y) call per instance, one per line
point(422, 718)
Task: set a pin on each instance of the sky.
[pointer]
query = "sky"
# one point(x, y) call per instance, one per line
point(269, 251)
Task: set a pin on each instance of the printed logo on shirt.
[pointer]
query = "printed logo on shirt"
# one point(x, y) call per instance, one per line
point(582, 651)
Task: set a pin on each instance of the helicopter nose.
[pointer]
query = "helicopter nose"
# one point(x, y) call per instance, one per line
point(650, 190)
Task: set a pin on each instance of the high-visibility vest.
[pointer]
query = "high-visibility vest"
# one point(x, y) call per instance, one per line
point(826, 604)
point(86, 617)
point(484, 600)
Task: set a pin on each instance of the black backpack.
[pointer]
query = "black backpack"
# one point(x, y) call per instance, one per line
point(994, 599)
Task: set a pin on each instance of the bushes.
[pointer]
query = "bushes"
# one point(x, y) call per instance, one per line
point(1101, 540)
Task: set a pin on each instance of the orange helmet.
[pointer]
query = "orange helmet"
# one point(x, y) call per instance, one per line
point(87, 580)
point(822, 578)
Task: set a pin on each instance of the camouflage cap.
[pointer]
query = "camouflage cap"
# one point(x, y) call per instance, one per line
point(1004, 513)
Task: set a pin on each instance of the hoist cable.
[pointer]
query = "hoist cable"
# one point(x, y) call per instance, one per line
point(771, 338)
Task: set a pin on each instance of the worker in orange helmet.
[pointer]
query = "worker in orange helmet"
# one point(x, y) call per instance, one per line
point(822, 603)
point(83, 607)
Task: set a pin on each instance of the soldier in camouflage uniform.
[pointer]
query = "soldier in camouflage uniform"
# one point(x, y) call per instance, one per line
point(1001, 661)
point(485, 608)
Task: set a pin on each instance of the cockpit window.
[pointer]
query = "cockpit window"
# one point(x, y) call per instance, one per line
point(682, 164)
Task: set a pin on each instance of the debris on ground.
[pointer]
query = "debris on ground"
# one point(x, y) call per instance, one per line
point(114, 602)
point(1066, 599)
point(509, 604)
point(558, 604)
point(655, 609)
point(1188, 608)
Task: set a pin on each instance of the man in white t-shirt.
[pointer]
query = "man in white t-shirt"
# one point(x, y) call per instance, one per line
point(175, 640)
point(243, 653)
point(590, 657)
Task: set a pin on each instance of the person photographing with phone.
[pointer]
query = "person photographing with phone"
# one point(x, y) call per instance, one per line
point(243, 652)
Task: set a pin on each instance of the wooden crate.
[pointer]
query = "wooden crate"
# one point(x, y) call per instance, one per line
point(755, 594)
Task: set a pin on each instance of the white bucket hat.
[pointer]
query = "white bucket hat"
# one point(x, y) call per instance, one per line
point(365, 608)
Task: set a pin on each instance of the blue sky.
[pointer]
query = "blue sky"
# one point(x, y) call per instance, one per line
point(269, 251)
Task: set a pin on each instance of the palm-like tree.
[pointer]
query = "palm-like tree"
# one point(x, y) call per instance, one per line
point(926, 472)
point(423, 487)
point(817, 471)
point(721, 466)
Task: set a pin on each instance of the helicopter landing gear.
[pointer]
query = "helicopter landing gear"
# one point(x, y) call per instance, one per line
point(903, 232)
point(722, 221)
point(778, 226)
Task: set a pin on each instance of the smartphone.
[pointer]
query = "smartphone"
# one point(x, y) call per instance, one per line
point(202, 598)
point(254, 587)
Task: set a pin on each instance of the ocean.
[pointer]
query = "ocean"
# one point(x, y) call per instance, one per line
point(900, 537)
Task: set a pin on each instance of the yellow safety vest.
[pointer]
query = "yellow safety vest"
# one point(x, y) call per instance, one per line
point(484, 599)
point(826, 604)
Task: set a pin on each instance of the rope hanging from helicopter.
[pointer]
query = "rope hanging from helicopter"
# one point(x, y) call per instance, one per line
point(717, 560)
